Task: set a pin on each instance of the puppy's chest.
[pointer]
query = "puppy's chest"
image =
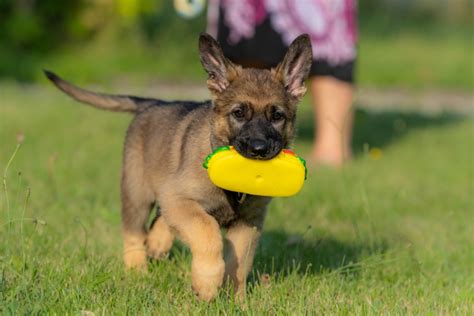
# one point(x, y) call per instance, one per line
point(223, 215)
point(226, 209)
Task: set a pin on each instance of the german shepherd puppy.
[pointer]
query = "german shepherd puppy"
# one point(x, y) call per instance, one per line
point(166, 143)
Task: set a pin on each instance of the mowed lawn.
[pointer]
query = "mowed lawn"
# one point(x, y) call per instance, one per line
point(391, 233)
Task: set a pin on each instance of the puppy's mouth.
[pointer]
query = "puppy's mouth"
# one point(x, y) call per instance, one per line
point(246, 151)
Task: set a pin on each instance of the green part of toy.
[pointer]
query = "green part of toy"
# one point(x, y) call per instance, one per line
point(305, 168)
point(218, 149)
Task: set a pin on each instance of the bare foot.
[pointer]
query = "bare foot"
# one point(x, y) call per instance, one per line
point(331, 158)
point(333, 115)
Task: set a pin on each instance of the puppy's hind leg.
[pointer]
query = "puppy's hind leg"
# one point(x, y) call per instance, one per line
point(159, 239)
point(137, 201)
point(134, 219)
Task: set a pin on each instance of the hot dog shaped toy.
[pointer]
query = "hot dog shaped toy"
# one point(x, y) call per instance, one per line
point(282, 175)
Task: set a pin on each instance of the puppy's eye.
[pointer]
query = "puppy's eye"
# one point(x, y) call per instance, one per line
point(277, 116)
point(238, 113)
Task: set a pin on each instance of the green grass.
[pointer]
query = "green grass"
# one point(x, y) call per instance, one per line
point(385, 235)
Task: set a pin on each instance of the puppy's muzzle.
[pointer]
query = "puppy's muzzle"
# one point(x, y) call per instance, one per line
point(257, 148)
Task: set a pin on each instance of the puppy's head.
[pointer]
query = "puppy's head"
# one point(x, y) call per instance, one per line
point(254, 110)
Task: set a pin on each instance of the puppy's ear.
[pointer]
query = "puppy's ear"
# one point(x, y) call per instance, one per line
point(294, 69)
point(221, 70)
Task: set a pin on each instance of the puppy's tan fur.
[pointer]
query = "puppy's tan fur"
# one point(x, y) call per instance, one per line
point(165, 146)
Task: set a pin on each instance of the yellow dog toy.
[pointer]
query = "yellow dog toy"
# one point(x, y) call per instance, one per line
point(283, 175)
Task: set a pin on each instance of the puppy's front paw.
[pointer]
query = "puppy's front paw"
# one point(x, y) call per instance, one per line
point(135, 260)
point(205, 289)
point(206, 283)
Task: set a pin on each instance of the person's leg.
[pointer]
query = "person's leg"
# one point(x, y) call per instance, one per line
point(333, 115)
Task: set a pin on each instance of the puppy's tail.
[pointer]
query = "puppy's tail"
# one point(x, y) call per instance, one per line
point(118, 103)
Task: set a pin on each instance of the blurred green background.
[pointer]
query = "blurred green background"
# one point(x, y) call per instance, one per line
point(390, 233)
point(423, 43)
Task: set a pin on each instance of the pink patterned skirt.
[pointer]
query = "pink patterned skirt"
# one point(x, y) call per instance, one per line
point(256, 33)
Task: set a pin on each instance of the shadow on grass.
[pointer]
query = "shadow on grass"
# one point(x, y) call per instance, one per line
point(379, 129)
point(280, 253)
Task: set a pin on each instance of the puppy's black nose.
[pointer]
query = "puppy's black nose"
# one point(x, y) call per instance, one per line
point(258, 147)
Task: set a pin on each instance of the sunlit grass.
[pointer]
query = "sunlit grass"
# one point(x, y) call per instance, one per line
point(390, 235)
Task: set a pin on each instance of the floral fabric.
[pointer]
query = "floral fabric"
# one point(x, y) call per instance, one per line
point(331, 24)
